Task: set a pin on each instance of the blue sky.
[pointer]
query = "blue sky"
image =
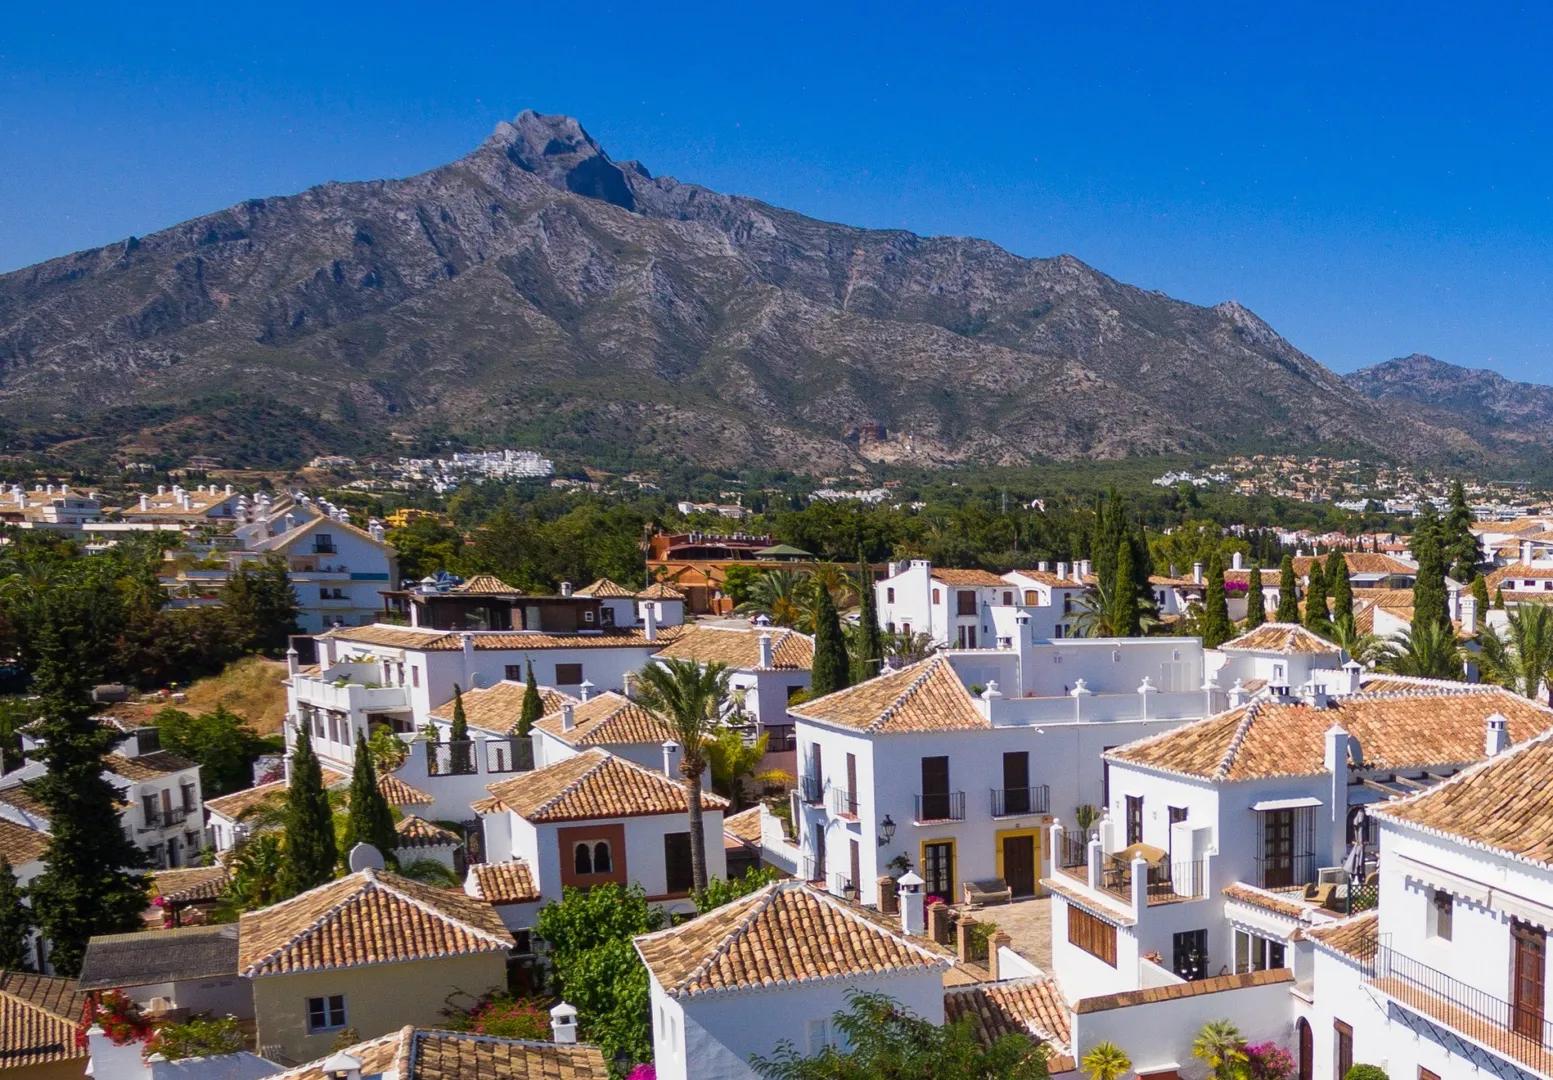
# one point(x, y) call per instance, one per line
point(1372, 183)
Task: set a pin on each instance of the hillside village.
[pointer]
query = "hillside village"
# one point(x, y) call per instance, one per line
point(697, 824)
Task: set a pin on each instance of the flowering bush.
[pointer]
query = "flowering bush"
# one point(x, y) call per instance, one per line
point(643, 1072)
point(504, 1015)
point(931, 900)
point(1269, 1061)
point(119, 1018)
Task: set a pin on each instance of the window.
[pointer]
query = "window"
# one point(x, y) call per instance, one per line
point(889, 596)
point(676, 862)
point(1008, 599)
point(965, 602)
point(591, 857)
point(568, 674)
point(601, 860)
point(1095, 936)
point(513, 672)
point(587, 615)
point(1253, 953)
point(1442, 909)
point(1343, 1047)
point(148, 807)
point(326, 1013)
point(1425, 1074)
point(938, 868)
point(936, 597)
point(415, 676)
point(1134, 819)
point(817, 1034)
point(187, 791)
point(1189, 954)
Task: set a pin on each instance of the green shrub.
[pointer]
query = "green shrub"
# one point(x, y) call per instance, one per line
point(1366, 1072)
point(200, 1037)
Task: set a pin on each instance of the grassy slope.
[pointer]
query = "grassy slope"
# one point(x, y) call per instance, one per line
point(252, 687)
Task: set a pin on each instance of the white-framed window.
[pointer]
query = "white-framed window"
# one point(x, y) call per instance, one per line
point(818, 1035)
point(326, 1013)
point(1254, 953)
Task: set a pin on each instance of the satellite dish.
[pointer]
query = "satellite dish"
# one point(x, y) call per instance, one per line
point(365, 857)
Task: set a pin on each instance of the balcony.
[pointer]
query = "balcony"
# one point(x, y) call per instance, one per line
point(940, 806)
point(1072, 857)
point(843, 803)
point(1286, 871)
point(509, 755)
point(1519, 1034)
point(451, 758)
point(1168, 883)
point(1017, 802)
point(812, 869)
point(166, 818)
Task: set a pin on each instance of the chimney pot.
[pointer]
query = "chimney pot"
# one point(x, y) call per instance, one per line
point(672, 755)
point(1236, 561)
point(913, 914)
point(767, 656)
point(568, 717)
point(1197, 573)
point(566, 588)
point(1496, 735)
point(563, 1024)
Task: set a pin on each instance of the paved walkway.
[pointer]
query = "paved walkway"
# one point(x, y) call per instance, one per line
point(1029, 923)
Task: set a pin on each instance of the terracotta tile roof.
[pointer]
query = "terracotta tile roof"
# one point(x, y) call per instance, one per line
point(1107, 910)
point(739, 647)
point(1500, 803)
point(402, 637)
point(660, 591)
point(608, 719)
point(189, 884)
point(417, 832)
point(1046, 577)
point(484, 585)
point(744, 826)
point(1266, 901)
point(399, 793)
point(510, 882)
point(1216, 985)
point(496, 708)
point(1376, 682)
point(159, 956)
point(146, 766)
point(605, 589)
point(926, 696)
point(19, 844)
point(785, 933)
point(1360, 562)
point(369, 917)
point(1390, 599)
point(22, 797)
point(39, 1017)
point(1282, 638)
point(1499, 578)
point(1031, 1006)
point(428, 1054)
point(1411, 729)
point(1357, 938)
point(589, 785)
point(945, 575)
point(1269, 577)
point(241, 804)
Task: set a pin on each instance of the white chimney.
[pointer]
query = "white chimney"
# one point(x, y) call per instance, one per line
point(672, 755)
point(563, 1025)
point(650, 621)
point(913, 914)
point(1236, 561)
point(1338, 750)
point(1525, 551)
point(229, 489)
point(1237, 695)
point(1044, 565)
point(568, 717)
point(767, 660)
point(145, 502)
point(628, 684)
point(341, 1066)
point(585, 690)
point(293, 661)
point(1062, 571)
point(1197, 573)
point(1314, 694)
point(566, 588)
point(161, 489)
point(1355, 672)
point(467, 640)
point(1496, 735)
point(1469, 614)
point(1083, 568)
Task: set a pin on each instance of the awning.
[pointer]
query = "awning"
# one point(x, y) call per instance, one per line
point(1286, 804)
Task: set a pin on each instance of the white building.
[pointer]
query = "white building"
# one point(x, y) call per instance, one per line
point(951, 606)
point(594, 818)
point(911, 767)
point(23, 848)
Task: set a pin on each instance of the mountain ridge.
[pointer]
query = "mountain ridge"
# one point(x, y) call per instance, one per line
point(537, 289)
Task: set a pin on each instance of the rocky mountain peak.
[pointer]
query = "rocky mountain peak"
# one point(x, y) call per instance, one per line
point(560, 152)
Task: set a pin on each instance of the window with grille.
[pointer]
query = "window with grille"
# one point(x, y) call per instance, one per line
point(1095, 936)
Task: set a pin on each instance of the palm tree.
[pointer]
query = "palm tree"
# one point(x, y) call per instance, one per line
point(1362, 648)
point(430, 872)
point(1222, 1048)
point(689, 697)
point(908, 648)
point(732, 760)
point(779, 595)
point(1521, 660)
point(1429, 651)
point(255, 881)
point(1106, 1061)
point(1094, 616)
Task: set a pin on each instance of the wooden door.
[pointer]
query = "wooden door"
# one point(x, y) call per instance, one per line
point(1277, 848)
point(1307, 1051)
point(1016, 782)
point(856, 866)
point(1019, 864)
point(935, 788)
point(1527, 966)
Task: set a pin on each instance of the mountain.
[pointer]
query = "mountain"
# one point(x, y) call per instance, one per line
point(1497, 412)
point(536, 290)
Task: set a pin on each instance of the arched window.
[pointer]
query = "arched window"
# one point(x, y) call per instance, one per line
point(601, 863)
point(582, 859)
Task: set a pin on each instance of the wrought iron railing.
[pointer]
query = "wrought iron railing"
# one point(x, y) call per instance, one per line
point(1073, 855)
point(1286, 871)
point(451, 758)
point(1012, 802)
point(843, 802)
point(813, 788)
point(1168, 882)
point(509, 755)
point(941, 806)
point(1519, 1032)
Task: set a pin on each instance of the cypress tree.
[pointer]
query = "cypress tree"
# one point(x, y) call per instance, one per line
point(1480, 594)
point(1342, 588)
point(1142, 569)
point(1462, 550)
point(870, 660)
point(831, 667)
point(1499, 599)
point(1256, 603)
point(369, 820)
point(459, 746)
point(85, 887)
point(1107, 535)
point(1216, 626)
point(1316, 616)
point(1430, 606)
point(15, 922)
point(533, 706)
point(1124, 597)
point(1288, 593)
point(310, 851)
